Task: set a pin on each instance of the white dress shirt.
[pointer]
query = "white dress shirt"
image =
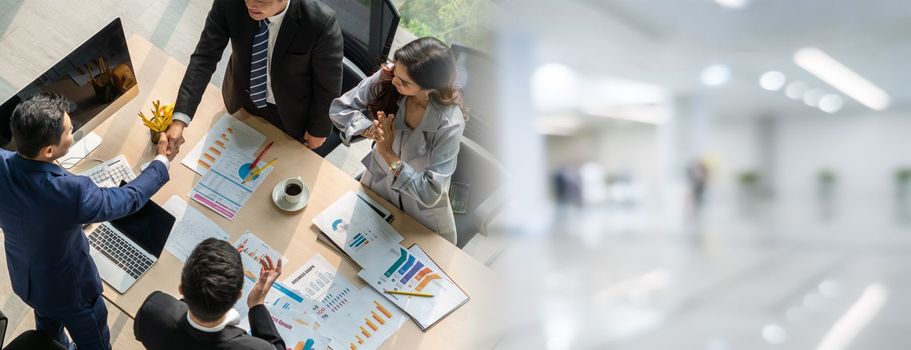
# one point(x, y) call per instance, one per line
point(232, 318)
point(275, 24)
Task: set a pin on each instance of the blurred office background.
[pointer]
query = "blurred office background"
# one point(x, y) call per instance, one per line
point(684, 174)
point(707, 174)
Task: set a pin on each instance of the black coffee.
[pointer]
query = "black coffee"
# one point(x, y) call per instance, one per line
point(293, 189)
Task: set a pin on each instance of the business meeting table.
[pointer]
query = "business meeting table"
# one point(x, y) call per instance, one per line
point(479, 324)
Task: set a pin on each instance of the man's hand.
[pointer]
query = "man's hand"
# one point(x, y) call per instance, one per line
point(163, 144)
point(267, 275)
point(313, 142)
point(175, 134)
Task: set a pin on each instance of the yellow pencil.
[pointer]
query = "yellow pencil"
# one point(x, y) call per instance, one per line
point(258, 170)
point(408, 293)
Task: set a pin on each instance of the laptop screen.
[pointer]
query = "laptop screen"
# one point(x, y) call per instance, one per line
point(149, 227)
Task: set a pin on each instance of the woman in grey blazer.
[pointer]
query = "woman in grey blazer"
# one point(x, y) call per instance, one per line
point(414, 113)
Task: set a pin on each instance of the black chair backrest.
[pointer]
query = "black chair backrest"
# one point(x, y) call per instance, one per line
point(485, 178)
point(476, 78)
point(4, 323)
point(351, 75)
point(34, 340)
point(368, 27)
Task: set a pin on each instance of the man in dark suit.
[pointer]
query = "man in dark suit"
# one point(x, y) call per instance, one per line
point(211, 282)
point(285, 66)
point(42, 213)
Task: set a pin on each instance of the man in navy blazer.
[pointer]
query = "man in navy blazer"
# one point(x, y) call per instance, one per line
point(42, 213)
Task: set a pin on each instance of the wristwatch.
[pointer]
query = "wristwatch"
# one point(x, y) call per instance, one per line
point(396, 166)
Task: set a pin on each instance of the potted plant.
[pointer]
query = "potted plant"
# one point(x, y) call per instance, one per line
point(749, 182)
point(903, 182)
point(825, 193)
point(826, 181)
point(160, 121)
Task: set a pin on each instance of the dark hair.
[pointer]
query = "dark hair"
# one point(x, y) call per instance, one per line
point(38, 122)
point(431, 64)
point(212, 279)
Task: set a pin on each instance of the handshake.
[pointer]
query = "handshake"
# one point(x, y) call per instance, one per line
point(170, 141)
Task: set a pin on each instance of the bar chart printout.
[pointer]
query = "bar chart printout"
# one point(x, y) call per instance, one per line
point(414, 271)
point(353, 318)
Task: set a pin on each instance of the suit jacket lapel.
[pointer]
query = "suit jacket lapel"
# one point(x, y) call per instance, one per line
point(417, 141)
point(288, 31)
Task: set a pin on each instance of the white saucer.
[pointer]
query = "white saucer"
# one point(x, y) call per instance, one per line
point(281, 203)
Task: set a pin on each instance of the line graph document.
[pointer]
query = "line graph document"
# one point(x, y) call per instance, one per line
point(191, 228)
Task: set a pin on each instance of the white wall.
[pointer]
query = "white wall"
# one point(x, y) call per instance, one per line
point(863, 150)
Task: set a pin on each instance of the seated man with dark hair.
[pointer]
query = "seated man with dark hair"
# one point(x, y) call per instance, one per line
point(211, 283)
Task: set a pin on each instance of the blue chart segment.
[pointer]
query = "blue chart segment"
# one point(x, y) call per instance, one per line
point(244, 171)
point(407, 265)
point(417, 267)
point(397, 263)
point(334, 300)
point(338, 224)
point(358, 241)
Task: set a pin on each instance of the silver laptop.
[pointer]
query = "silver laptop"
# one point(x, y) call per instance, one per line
point(124, 249)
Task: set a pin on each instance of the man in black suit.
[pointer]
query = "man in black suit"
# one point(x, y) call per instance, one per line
point(211, 282)
point(285, 66)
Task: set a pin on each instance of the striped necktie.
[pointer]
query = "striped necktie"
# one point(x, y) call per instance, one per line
point(258, 65)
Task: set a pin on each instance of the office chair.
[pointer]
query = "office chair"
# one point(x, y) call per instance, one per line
point(29, 340)
point(475, 77)
point(351, 75)
point(484, 177)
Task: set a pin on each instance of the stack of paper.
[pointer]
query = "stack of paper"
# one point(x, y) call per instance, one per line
point(414, 271)
point(357, 230)
point(314, 307)
point(354, 227)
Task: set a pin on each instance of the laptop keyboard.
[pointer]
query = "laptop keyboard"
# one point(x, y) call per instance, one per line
point(121, 252)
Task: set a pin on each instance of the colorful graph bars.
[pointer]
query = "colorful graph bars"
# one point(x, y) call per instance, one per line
point(368, 329)
point(358, 241)
point(210, 155)
point(411, 270)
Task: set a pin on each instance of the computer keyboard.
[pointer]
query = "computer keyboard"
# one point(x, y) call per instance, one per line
point(111, 172)
point(121, 252)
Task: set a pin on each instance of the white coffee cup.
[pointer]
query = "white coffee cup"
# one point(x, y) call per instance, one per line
point(294, 190)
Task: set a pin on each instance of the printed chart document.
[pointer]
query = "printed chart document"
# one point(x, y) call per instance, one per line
point(251, 245)
point(356, 229)
point(353, 318)
point(227, 133)
point(298, 330)
point(191, 228)
point(279, 296)
point(222, 188)
point(414, 271)
point(252, 249)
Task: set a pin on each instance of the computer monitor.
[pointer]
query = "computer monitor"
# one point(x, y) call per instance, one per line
point(368, 27)
point(97, 78)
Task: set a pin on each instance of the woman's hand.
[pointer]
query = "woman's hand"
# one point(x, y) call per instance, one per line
point(372, 131)
point(386, 132)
